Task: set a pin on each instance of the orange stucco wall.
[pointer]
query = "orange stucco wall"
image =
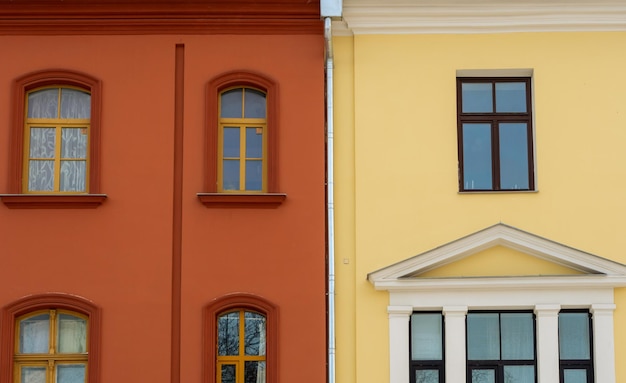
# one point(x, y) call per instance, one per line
point(120, 254)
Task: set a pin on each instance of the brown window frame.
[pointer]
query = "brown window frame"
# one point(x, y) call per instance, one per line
point(211, 197)
point(17, 197)
point(494, 119)
point(237, 302)
point(33, 303)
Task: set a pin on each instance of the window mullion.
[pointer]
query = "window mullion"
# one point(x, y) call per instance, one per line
point(495, 154)
point(242, 157)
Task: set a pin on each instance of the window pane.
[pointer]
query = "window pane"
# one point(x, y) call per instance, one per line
point(73, 176)
point(231, 104)
point(517, 336)
point(483, 376)
point(254, 104)
point(231, 175)
point(73, 143)
point(477, 97)
point(35, 335)
point(513, 156)
point(254, 175)
point(70, 373)
point(40, 175)
point(427, 376)
point(43, 103)
point(228, 334)
point(254, 372)
point(511, 97)
point(255, 334)
point(483, 336)
point(574, 376)
point(231, 142)
point(477, 156)
point(33, 374)
point(229, 373)
point(254, 142)
point(519, 374)
point(574, 336)
point(71, 335)
point(42, 142)
point(75, 104)
point(426, 337)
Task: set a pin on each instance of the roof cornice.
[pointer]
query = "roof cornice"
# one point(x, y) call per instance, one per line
point(490, 16)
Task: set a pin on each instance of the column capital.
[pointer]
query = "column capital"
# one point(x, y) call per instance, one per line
point(602, 309)
point(400, 311)
point(450, 311)
point(547, 310)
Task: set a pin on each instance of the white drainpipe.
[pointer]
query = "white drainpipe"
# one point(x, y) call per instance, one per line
point(330, 199)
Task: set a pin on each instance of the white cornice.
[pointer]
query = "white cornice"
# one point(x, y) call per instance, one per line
point(488, 16)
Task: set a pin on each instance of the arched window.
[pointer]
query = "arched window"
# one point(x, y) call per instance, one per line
point(241, 142)
point(55, 147)
point(50, 338)
point(56, 140)
point(241, 340)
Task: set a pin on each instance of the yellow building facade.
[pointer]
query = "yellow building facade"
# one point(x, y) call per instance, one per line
point(480, 169)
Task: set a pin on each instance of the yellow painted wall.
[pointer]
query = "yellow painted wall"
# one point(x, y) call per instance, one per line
point(396, 163)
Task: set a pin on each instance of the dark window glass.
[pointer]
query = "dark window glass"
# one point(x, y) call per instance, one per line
point(495, 134)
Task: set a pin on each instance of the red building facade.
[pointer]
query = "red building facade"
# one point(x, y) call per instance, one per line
point(162, 189)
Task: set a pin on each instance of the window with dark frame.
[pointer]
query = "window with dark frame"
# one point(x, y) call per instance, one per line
point(495, 140)
point(575, 351)
point(427, 351)
point(501, 347)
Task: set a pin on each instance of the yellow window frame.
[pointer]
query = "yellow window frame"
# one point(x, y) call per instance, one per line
point(260, 124)
point(238, 360)
point(52, 359)
point(57, 124)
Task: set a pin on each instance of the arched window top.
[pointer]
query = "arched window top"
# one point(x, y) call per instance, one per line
point(243, 102)
point(58, 102)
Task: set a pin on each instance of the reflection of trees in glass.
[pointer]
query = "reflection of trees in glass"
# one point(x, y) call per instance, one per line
point(483, 376)
point(427, 376)
point(254, 334)
point(241, 347)
point(228, 334)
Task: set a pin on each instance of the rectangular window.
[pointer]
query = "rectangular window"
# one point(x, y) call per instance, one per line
point(427, 354)
point(575, 351)
point(500, 347)
point(495, 134)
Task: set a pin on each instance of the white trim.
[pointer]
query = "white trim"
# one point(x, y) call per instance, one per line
point(487, 16)
point(545, 295)
point(402, 273)
point(511, 72)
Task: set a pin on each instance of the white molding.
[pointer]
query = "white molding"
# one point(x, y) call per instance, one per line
point(487, 16)
point(545, 295)
point(597, 271)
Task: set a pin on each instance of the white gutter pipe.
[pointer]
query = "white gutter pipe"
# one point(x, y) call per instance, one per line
point(330, 214)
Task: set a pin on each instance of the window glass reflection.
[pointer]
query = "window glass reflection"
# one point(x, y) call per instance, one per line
point(477, 156)
point(477, 97)
point(511, 97)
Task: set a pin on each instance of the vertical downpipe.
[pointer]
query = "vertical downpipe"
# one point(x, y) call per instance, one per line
point(330, 214)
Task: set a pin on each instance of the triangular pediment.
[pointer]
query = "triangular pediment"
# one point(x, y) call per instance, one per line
point(495, 257)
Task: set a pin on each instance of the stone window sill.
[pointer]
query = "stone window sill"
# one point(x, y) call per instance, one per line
point(243, 200)
point(53, 201)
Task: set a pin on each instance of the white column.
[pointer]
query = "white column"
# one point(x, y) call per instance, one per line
point(399, 343)
point(603, 343)
point(547, 320)
point(455, 363)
